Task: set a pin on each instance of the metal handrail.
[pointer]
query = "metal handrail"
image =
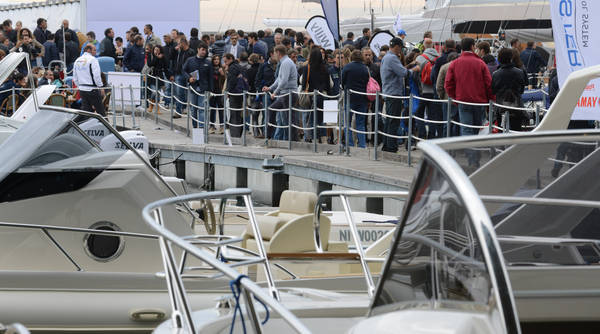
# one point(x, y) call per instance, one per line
point(344, 195)
point(152, 215)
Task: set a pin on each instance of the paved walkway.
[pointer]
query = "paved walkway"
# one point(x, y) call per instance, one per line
point(357, 170)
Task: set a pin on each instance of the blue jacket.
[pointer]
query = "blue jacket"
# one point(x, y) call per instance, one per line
point(261, 48)
point(205, 72)
point(355, 76)
point(531, 60)
point(50, 54)
point(134, 58)
point(335, 77)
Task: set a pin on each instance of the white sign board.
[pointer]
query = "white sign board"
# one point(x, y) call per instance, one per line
point(330, 111)
point(198, 136)
point(378, 40)
point(121, 81)
point(577, 41)
point(319, 31)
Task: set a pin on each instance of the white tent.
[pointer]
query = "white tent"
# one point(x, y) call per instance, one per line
point(478, 10)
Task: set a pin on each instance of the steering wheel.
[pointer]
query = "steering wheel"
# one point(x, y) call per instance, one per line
point(206, 212)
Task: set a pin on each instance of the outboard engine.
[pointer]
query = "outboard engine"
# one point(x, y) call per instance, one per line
point(135, 138)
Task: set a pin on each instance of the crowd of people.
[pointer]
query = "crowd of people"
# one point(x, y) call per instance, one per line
point(281, 62)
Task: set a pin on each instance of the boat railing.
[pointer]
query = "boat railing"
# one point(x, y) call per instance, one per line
point(181, 311)
point(344, 198)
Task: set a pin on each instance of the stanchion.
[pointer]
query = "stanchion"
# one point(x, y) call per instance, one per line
point(290, 120)
point(225, 116)
point(537, 114)
point(449, 117)
point(315, 132)
point(189, 108)
point(144, 97)
point(132, 107)
point(376, 137)
point(506, 121)
point(410, 127)
point(266, 118)
point(346, 123)
point(491, 118)
point(123, 105)
point(113, 99)
point(341, 102)
point(173, 102)
point(13, 97)
point(158, 101)
point(206, 111)
point(244, 112)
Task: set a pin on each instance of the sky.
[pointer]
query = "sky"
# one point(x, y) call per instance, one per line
point(217, 15)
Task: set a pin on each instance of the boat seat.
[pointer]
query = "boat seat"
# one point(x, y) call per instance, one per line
point(290, 229)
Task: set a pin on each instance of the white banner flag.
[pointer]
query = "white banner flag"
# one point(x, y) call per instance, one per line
point(378, 40)
point(577, 42)
point(397, 24)
point(319, 31)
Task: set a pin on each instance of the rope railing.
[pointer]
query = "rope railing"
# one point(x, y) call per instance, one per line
point(256, 113)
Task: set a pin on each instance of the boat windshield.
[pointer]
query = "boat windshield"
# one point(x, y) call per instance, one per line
point(438, 257)
point(553, 165)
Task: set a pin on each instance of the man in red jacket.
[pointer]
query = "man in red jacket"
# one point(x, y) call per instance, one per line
point(469, 80)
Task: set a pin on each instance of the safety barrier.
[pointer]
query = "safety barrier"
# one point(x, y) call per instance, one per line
point(247, 117)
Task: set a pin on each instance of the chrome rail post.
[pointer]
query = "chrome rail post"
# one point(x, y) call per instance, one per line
point(261, 247)
point(449, 117)
point(123, 104)
point(144, 97)
point(376, 137)
point(173, 102)
point(206, 112)
point(251, 311)
point(290, 126)
point(113, 100)
point(244, 113)
point(266, 117)
point(341, 116)
point(13, 97)
point(410, 128)
point(356, 237)
point(132, 107)
point(491, 117)
point(225, 116)
point(347, 122)
point(315, 129)
point(537, 114)
point(158, 101)
point(507, 121)
point(189, 108)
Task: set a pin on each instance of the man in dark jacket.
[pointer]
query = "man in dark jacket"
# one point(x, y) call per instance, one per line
point(218, 47)
point(107, 46)
point(9, 32)
point(135, 55)
point(234, 74)
point(72, 51)
point(266, 77)
point(257, 46)
point(179, 58)
point(484, 51)
point(51, 51)
point(355, 76)
point(198, 72)
point(59, 36)
point(364, 40)
point(41, 32)
point(532, 61)
point(508, 84)
point(449, 47)
point(169, 50)
point(349, 39)
point(194, 40)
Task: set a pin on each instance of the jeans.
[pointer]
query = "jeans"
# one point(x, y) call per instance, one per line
point(471, 115)
point(434, 113)
point(454, 129)
point(180, 93)
point(216, 102)
point(308, 122)
point(360, 104)
point(235, 116)
point(197, 113)
point(282, 117)
point(393, 108)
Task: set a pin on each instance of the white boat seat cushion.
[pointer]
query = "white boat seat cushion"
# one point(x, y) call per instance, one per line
point(267, 225)
point(297, 202)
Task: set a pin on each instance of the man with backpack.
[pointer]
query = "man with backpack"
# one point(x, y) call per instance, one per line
point(508, 84)
point(426, 61)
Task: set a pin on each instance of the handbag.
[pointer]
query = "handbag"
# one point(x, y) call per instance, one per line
point(372, 88)
point(305, 100)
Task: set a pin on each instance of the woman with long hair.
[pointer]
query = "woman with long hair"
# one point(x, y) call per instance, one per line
point(315, 77)
point(159, 67)
point(216, 102)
